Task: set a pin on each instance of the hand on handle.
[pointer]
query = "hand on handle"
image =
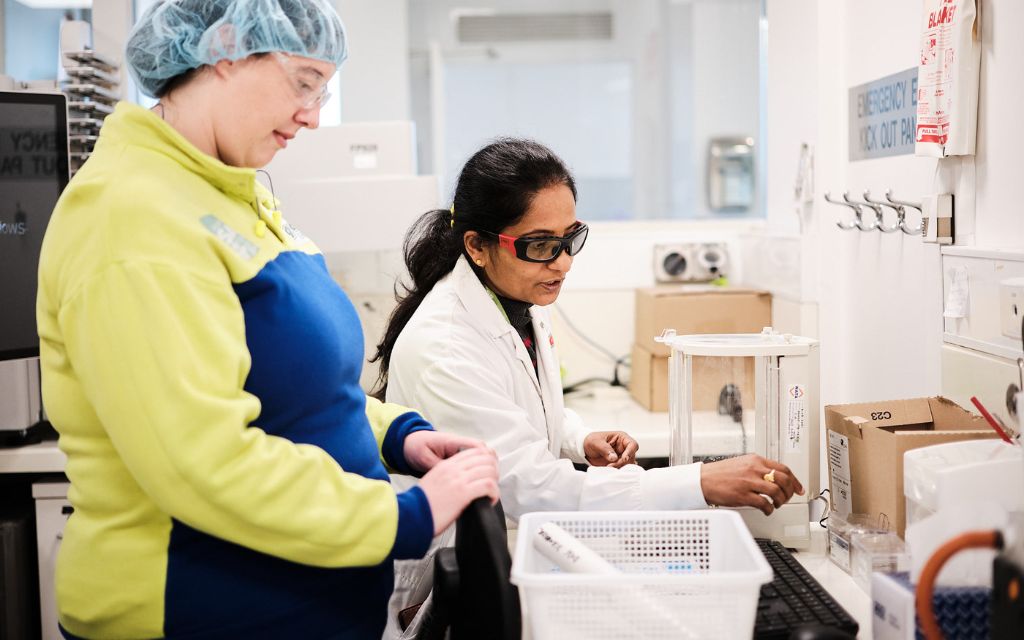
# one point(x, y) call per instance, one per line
point(456, 481)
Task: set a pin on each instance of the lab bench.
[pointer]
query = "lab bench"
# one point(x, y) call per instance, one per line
point(613, 409)
point(604, 409)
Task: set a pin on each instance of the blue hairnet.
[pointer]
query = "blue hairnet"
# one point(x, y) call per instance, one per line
point(174, 36)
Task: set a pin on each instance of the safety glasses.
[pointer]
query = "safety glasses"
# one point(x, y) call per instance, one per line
point(544, 249)
point(309, 86)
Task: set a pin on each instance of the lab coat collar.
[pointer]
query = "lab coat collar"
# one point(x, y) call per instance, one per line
point(487, 311)
point(481, 306)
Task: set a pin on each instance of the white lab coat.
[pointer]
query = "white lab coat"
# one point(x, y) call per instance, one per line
point(465, 369)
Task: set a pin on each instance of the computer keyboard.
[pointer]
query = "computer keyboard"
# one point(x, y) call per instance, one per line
point(794, 599)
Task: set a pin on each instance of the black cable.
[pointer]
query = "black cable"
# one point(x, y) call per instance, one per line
point(618, 361)
point(577, 386)
point(616, 382)
point(583, 337)
point(821, 496)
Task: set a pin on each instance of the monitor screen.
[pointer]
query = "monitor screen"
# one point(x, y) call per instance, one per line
point(33, 172)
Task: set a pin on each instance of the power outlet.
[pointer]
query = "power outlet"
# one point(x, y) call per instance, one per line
point(1011, 306)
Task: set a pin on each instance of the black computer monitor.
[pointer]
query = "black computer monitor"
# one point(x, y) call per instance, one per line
point(33, 172)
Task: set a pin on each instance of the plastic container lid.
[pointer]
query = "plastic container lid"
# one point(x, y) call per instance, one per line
point(766, 343)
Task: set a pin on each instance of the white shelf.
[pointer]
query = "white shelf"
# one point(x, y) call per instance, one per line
point(44, 457)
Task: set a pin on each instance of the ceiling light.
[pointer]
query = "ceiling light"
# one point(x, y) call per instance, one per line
point(57, 4)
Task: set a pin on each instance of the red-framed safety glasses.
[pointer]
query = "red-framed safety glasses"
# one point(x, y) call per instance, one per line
point(543, 249)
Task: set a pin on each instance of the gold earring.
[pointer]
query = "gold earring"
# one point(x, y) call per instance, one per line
point(479, 263)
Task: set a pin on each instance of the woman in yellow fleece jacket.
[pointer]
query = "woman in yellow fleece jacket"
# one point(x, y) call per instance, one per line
point(228, 475)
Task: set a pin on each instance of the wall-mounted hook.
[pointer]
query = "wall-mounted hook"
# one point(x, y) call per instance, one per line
point(878, 211)
point(903, 204)
point(871, 225)
point(845, 226)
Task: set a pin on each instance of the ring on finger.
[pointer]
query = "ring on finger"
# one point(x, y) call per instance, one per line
point(770, 476)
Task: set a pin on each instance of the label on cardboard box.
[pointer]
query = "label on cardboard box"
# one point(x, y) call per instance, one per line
point(839, 471)
point(796, 417)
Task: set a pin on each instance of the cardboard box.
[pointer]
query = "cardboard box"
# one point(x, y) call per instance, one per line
point(698, 309)
point(866, 443)
point(649, 381)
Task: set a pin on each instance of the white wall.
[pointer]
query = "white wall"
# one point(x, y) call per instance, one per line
point(790, 102)
point(891, 285)
point(375, 78)
point(1000, 220)
point(880, 296)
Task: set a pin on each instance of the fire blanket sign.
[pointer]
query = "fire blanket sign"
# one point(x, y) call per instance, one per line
point(883, 116)
point(949, 69)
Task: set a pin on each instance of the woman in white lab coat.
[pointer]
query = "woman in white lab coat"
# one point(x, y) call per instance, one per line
point(470, 344)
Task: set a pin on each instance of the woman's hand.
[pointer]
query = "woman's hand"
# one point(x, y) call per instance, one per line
point(456, 481)
point(424, 449)
point(610, 449)
point(740, 482)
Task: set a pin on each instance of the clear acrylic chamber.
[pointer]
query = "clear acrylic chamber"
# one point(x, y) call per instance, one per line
point(733, 394)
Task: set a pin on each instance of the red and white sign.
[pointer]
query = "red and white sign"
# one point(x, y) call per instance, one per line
point(948, 71)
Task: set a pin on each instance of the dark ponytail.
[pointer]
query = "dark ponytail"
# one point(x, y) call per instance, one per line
point(494, 190)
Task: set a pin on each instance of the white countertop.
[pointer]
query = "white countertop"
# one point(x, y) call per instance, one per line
point(602, 409)
point(837, 582)
point(613, 409)
point(44, 457)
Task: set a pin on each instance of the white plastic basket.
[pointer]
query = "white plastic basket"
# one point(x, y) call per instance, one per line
point(686, 575)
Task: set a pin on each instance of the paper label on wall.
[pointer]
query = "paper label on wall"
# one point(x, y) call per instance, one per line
point(958, 298)
point(839, 472)
point(796, 417)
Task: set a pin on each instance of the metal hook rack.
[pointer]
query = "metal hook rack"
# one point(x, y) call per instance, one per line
point(883, 203)
point(871, 225)
point(903, 204)
point(876, 222)
point(845, 226)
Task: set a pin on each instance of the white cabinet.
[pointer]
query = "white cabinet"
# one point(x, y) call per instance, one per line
point(52, 511)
